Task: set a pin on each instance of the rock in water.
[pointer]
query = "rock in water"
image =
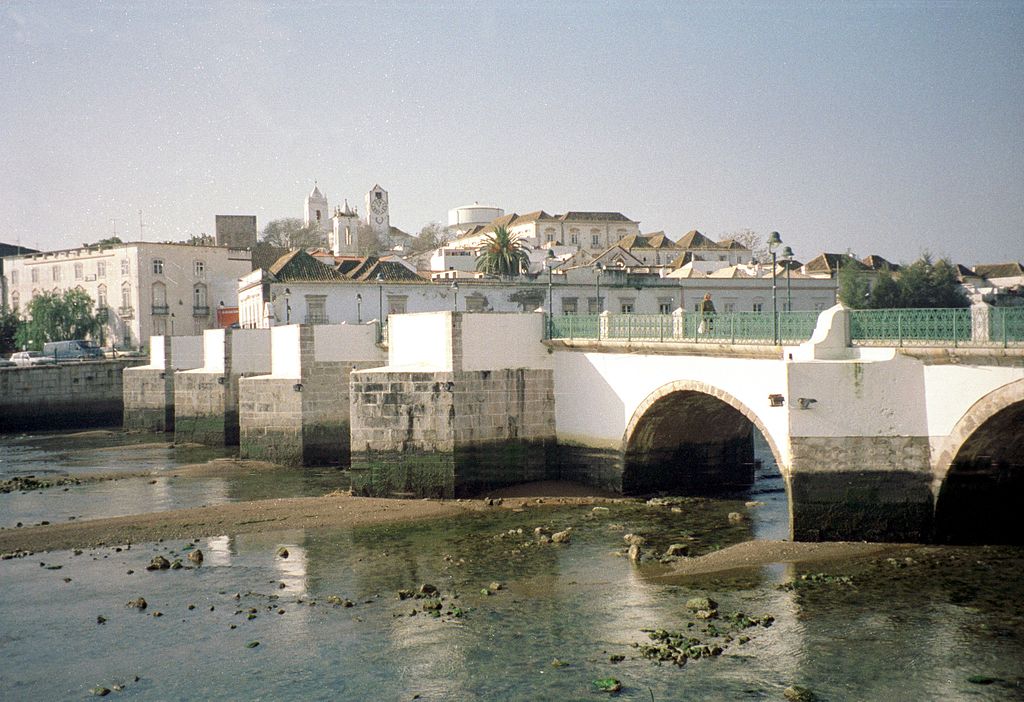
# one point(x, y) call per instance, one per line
point(735, 517)
point(634, 553)
point(196, 556)
point(282, 552)
point(138, 603)
point(158, 563)
point(677, 550)
point(99, 691)
point(634, 539)
point(696, 604)
point(562, 537)
point(428, 589)
point(798, 693)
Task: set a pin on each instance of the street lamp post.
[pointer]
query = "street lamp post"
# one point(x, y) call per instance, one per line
point(549, 263)
point(774, 240)
point(359, 308)
point(599, 267)
point(380, 298)
point(455, 289)
point(287, 306)
point(787, 256)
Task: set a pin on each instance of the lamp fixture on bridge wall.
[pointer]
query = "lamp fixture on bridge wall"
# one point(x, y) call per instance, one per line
point(776, 400)
point(805, 402)
point(297, 387)
point(220, 380)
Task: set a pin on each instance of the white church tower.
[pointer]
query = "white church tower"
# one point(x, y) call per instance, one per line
point(316, 209)
point(378, 216)
point(344, 238)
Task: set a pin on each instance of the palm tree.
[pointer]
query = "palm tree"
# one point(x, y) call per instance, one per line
point(502, 255)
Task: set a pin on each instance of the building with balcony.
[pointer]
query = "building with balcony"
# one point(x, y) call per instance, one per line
point(139, 289)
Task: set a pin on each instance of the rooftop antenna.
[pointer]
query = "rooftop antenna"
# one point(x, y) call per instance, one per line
point(113, 223)
point(142, 236)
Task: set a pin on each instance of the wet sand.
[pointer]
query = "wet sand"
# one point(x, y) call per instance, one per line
point(343, 510)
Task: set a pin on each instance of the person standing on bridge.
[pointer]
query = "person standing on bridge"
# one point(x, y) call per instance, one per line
point(707, 315)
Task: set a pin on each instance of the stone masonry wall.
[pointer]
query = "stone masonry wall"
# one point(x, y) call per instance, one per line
point(63, 396)
point(875, 488)
point(148, 399)
point(200, 403)
point(449, 434)
point(270, 420)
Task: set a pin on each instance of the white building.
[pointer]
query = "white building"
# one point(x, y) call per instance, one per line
point(469, 217)
point(588, 231)
point(301, 289)
point(142, 289)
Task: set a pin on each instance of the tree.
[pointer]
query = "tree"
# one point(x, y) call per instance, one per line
point(854, 287)
point(432, 236)
point(55, 317)
point(292, 233)
point(9, 323)
point(927, 284)
point(751, 240)
point(369, 243)
point(886, 292)
point(105, 243)
point(502, 255)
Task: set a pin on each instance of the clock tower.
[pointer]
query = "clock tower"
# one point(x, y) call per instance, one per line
point(378, 215)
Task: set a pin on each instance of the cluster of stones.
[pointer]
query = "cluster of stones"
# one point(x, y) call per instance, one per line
point(678, 647)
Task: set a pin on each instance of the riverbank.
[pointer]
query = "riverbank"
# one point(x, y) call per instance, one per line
point(343, 510)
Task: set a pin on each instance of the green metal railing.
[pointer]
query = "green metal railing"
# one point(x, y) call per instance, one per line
point(1006, 325)
point(733, 327)
point(575, 326)
point(917, 327)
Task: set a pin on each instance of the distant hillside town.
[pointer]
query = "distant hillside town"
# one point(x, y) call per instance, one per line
point(342, 266)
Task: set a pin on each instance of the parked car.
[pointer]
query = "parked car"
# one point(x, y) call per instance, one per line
point(31, 358)
point(6, 363)
point(73, 350)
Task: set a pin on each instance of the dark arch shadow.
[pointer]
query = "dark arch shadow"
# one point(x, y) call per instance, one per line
point(690, 438)
point(982, 496)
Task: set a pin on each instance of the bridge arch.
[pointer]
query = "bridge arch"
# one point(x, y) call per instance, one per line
point(702, 433)
point(979, 471)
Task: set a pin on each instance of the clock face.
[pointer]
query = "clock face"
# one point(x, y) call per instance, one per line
point(380, 220)
point(378, 206)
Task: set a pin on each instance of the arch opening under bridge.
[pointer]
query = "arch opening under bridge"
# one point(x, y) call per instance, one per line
point(981, 468)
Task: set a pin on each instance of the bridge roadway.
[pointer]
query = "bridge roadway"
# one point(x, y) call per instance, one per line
point(874, 443)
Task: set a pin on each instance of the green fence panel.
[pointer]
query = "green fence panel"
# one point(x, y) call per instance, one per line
point(911, 326)
point(1006, 325)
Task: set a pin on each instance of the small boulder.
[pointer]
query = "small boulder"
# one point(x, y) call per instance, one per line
point(138, 603)
point(428, 589)
point(798, 693)
point(158, 563)
point(562, 537)
point(600, 510)
point(676, 550)
point(196, 556)
point(634, 539)
point(282, 552)
point(634, 553)
point(494, 586)
point(735, 517)
point(696, 604)
point(99, 691)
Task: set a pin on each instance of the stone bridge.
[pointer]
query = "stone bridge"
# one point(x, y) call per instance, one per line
point(880, 443)
point(875, 443)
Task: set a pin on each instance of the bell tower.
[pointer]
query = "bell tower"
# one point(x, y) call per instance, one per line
point(316, 209)
point(344, 238)
point(378, 213)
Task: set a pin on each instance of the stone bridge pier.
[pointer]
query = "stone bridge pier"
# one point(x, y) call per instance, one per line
point(149, 389)
point(464, 404)
point(297, 412)
point(206, 398)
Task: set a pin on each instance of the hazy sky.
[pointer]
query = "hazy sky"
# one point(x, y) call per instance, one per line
point(886, 128)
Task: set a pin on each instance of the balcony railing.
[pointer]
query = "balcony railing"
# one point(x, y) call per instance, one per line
point(317, 319)
point(980, 326)
point(200, 311)
point(126, 312)
point(161, 309)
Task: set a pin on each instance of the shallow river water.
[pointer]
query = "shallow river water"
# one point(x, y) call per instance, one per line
point(931, 623)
